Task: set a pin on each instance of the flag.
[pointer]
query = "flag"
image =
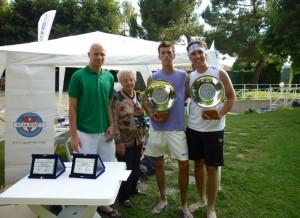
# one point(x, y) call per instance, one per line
point(45, 24)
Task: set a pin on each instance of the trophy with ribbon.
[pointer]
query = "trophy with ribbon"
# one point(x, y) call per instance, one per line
point(207, 92)
point(161, 96)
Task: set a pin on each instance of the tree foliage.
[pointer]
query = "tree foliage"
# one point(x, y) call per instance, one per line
point(130, 25)
point(283, 33)
point(5, 27)
point(237, 28)
point(19, 22)
point(168, 20)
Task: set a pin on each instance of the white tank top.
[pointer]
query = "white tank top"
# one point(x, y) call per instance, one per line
point(195, 120)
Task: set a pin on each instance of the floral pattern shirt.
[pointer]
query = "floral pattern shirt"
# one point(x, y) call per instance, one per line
point(129, 119)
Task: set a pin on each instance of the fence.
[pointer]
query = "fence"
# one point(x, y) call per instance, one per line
point(276, 94)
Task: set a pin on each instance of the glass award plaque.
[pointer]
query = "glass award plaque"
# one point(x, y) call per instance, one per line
point(88, 166)
point(46, 166)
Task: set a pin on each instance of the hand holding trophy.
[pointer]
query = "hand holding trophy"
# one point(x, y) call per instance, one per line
point(208, 92)
point(161, 96)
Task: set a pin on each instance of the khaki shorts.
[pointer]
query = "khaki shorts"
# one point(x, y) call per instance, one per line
point(159, 140)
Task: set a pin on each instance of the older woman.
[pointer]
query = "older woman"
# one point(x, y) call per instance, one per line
point(129, 132)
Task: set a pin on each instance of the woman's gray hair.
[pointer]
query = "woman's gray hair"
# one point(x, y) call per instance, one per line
point(122, 73)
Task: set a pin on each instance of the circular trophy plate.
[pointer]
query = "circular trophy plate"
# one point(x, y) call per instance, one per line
point(161, 95)
point(207, 91)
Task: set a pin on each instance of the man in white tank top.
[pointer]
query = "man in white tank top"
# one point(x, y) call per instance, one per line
point(205, 133)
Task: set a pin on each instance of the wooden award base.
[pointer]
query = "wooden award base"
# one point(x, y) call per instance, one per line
point(161, 116)
point(210, 114)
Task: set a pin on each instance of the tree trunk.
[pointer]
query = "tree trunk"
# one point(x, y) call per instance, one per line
point(258, 69)
point(188, 37)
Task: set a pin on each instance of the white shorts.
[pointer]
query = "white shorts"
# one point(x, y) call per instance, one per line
point(175, 140)
point(96, 144)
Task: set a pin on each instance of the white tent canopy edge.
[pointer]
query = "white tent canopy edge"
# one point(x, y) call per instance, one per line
point(122, 52)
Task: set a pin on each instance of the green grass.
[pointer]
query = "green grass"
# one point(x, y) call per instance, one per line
point(261, 175)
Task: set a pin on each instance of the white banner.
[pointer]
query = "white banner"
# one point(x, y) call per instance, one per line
point(29, 117)
point(45, 24)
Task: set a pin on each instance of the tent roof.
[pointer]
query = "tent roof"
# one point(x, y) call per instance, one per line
point(72, 51)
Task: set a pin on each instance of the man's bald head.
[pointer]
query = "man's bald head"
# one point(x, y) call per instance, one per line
point(96, 46)
point(97, 56)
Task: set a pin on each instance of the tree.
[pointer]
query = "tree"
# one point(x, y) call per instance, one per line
point(19, 22)
point(135, 30)
point(283, 32)
point(4, 23)
point(129, 21)
point(168, 20)
point(77, 17)
point(237, 28)
point(3, 6)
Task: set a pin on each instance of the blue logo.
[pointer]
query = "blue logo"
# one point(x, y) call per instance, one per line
point(29, 124)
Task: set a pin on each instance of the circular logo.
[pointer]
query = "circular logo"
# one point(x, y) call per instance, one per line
point(29, 124)
point(160, 96)
point(207, 91)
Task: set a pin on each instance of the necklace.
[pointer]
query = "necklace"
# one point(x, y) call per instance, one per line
point(129, 96)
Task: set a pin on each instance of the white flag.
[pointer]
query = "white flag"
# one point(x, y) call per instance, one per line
point(45, 24)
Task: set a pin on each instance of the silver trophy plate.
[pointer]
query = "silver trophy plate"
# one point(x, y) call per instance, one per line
point(207, 91)
point(161, 95)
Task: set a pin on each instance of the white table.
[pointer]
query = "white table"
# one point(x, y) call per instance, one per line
point(68, 191)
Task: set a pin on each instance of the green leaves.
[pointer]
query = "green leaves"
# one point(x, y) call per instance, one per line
point(237, 30)
point(20, 18)
point(168, 20)
point(283, 33)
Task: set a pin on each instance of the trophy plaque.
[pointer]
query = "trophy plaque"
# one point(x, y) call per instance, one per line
point(88, 166)
point(207, 92)
point(48, 166)
point(161, 96)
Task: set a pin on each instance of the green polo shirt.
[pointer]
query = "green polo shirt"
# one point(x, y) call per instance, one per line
point(93, 92)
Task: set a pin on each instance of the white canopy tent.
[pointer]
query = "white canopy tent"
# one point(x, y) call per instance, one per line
point(122, 52)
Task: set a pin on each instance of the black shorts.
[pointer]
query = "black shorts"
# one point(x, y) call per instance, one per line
point(206, 145)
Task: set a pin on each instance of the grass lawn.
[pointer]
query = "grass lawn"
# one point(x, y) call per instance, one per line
point(260, 178)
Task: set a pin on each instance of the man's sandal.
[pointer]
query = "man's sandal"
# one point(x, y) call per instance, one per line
point(112, 213)
point(182, 214)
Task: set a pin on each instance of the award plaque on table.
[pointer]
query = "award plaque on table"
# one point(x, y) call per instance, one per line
point(88, 166)
point(208, 92)
point(46, 166)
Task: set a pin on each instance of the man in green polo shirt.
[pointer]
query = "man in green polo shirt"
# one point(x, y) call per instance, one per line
point(91, 112)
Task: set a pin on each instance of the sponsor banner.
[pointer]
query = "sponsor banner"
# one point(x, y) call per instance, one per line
point(45, 24)
point(29, 117)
